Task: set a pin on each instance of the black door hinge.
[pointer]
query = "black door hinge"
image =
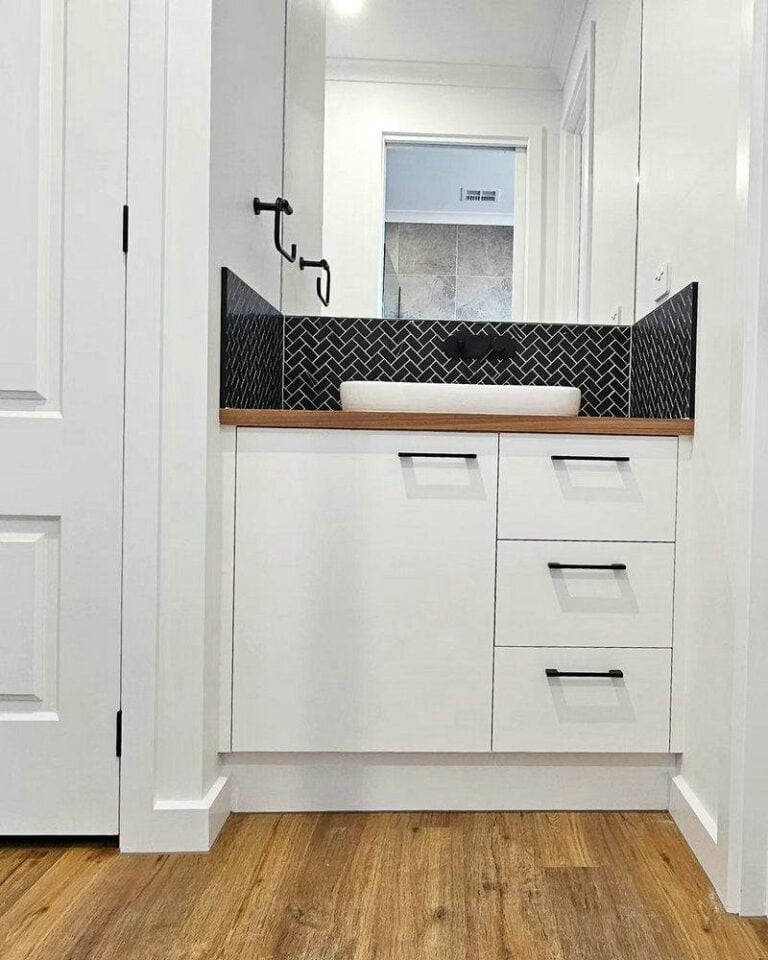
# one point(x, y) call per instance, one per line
point(119, 733)
point(125, 228)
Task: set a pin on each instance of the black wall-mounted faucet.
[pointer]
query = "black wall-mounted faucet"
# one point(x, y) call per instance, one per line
point(479, 346)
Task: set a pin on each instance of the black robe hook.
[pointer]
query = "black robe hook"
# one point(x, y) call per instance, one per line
point(280, 207)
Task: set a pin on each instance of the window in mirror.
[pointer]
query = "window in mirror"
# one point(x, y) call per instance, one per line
point(452, 246)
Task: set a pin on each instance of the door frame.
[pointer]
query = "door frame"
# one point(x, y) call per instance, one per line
point(173, 794)
point(747, 806)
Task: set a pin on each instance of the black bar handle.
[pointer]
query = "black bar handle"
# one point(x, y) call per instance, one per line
point(587, 566)
point(608, 459)
point(279, 207)
point(608, 674)
point(446, 456)
point(325, 299)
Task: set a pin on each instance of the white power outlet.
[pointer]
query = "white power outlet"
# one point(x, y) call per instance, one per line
point(661, 285)
point(616, 315)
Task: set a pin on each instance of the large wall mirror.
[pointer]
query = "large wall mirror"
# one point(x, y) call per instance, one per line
point(468, 160)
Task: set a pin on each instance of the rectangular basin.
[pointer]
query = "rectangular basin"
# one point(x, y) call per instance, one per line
point(384, 397)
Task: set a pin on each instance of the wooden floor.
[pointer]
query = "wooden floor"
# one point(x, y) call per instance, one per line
point(465, 886)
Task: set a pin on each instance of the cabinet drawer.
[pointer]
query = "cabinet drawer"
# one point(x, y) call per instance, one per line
point(574, 594)
point(536, 713)
point(587, 488)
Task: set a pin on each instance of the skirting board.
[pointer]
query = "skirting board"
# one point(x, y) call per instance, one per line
point(699, 828)
point(181, 826)
point(269, 783)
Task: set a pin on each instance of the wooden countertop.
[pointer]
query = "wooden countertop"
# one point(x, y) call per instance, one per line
point(453, 422)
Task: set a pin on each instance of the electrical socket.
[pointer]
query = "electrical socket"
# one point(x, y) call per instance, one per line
point(661, 285)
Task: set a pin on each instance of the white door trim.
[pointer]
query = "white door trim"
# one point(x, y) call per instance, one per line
point(747, 827)
point(173, 796)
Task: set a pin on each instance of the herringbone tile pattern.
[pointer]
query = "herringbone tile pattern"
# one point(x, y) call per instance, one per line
point(299, 362)
point(321, 352)
point(664, 358)
point(251, 348)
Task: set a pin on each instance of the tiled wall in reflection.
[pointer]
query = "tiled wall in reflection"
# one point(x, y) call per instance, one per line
point(448, 272)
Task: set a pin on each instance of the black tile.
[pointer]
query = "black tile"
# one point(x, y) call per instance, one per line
point(664, 358)
point(251, 347)
point(321, 352)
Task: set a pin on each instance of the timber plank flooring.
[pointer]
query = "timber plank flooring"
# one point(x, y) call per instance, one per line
point(389, 886)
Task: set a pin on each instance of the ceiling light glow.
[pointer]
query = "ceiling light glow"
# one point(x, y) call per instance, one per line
point(348, 8)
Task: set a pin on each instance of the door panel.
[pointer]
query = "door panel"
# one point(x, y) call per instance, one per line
point(63, 104)
point(32, 119)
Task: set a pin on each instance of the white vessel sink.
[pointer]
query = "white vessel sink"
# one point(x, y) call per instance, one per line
point(379, 396)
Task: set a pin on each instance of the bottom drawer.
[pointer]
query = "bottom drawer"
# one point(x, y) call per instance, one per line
point(534, 712)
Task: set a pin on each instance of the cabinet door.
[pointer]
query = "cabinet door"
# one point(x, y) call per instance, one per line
point(363, 608)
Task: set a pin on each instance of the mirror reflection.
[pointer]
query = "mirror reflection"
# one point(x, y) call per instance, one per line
point(466, 160)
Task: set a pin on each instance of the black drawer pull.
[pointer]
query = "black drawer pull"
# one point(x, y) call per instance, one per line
point(587, 566)
point(608, 459)
point(608, 674)
point(448, 456)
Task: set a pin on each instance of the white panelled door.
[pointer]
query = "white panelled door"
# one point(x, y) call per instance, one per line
point(63, 124)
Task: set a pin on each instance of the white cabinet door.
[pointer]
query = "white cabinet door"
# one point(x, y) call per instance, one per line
point(63, 115)
point(363, 610)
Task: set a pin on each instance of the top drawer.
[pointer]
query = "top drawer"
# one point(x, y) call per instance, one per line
point(587, 487)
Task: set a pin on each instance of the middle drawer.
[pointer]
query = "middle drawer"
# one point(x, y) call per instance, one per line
point(584, 594)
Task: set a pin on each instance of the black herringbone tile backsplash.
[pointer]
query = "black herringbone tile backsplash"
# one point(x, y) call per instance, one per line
point(321, 352)
point(270, 361)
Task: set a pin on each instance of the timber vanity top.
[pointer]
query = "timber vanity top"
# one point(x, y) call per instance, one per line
point(469, 423)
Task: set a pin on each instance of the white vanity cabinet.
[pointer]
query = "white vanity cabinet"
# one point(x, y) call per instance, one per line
point(452, 592)
point(364, 591)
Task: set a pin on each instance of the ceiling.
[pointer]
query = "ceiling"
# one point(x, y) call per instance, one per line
point(511, 33)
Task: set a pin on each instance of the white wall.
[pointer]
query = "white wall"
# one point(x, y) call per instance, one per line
point(688, 217)
point(246, 141)
point(305, 135)
point(425, 183)
point(615, 151)
point(358, 114)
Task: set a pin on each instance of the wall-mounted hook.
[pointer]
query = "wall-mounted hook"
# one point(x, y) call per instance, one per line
point(280, 207)
point(323, 265)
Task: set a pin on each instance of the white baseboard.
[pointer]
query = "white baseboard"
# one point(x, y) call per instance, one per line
point(369, 782)
point(182, 826)
point(699, 828)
